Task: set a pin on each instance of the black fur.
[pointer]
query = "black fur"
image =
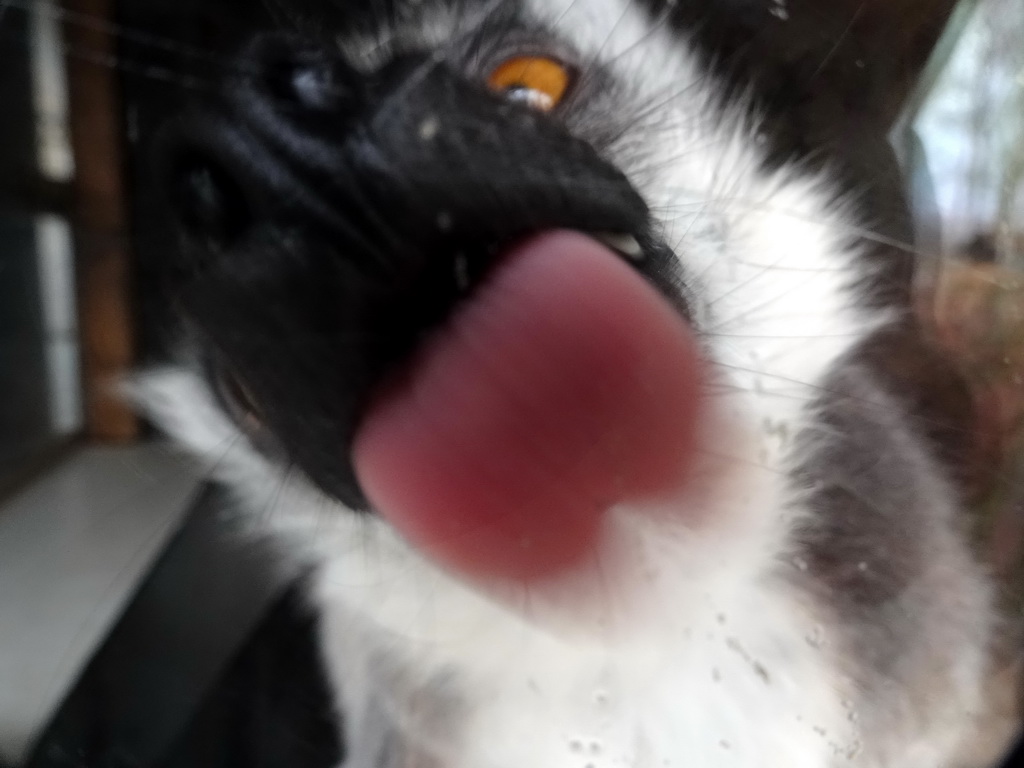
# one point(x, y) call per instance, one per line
point(321, 208)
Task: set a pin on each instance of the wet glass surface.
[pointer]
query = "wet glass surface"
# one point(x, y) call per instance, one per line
point(141, 621)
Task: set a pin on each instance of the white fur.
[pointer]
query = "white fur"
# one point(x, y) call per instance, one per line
point(696, 650)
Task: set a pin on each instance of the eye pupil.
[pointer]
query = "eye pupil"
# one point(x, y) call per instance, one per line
point(539, 82)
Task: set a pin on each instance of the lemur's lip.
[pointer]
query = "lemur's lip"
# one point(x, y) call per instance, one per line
point(566, 384)
point(622, 243)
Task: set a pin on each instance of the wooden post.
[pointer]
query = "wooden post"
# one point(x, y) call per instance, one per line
point(101, 222)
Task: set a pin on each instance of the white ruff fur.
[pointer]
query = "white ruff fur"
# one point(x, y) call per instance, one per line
point(695, 650)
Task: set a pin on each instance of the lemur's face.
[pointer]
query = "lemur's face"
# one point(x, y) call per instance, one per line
point(491, 268)
point(575, 398)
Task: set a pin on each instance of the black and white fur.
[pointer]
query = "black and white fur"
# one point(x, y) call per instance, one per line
point(826, 611)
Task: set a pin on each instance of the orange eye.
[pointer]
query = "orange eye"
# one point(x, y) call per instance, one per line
point(537, 81)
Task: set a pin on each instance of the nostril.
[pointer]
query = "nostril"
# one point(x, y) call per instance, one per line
point(209, 203)
point(315, 86)
point(305, 78)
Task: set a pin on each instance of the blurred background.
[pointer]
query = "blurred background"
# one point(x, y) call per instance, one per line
point(109, 556)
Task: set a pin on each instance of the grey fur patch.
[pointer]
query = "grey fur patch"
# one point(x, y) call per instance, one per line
point(887, 555)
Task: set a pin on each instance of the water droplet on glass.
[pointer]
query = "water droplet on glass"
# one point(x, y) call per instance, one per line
point(429, 128)
point(814, 637)
point(779, 11)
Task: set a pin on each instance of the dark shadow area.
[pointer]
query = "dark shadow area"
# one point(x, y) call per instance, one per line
point(213, 663)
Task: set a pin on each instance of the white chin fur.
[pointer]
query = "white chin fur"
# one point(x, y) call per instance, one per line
point(715, 659)
point(705, 655)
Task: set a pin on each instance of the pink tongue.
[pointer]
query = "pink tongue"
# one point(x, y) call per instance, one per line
point(565, 385)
